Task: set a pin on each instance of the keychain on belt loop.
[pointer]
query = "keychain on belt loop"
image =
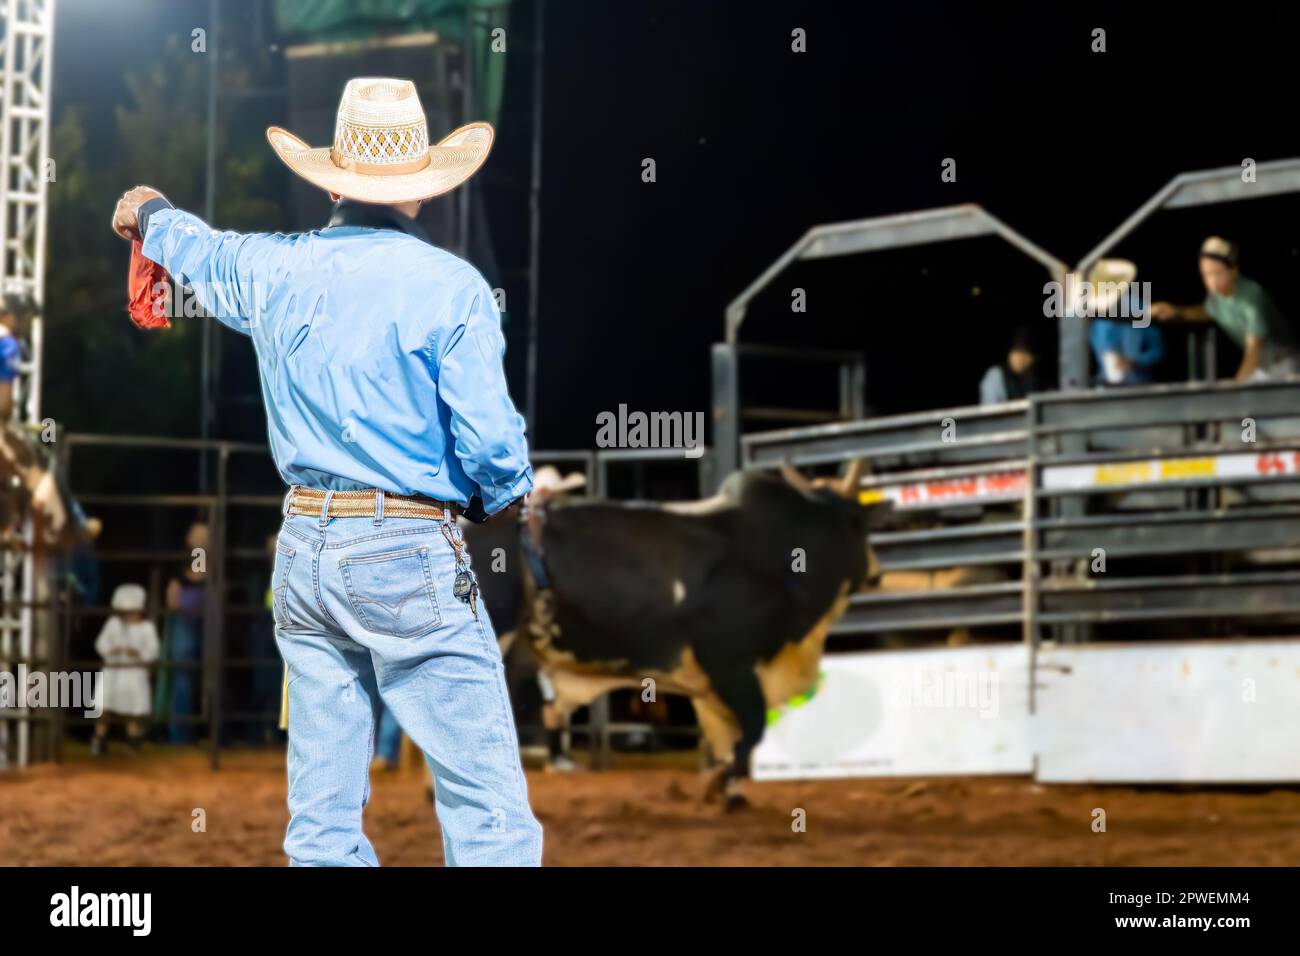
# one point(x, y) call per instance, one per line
point(465, 587)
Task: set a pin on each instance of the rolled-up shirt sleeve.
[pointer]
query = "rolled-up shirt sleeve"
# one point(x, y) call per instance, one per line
point(221, 269)
point(487, 430)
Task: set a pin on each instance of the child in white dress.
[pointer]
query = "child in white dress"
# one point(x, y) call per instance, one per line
point(128, 644)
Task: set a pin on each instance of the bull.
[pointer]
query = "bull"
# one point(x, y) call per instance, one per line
point(727, 601)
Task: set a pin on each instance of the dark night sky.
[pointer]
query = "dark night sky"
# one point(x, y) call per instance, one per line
point(754, 144)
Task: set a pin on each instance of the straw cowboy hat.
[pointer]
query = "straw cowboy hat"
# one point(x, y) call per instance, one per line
point(381, 150)
point(1113, 277)
point(547, 479)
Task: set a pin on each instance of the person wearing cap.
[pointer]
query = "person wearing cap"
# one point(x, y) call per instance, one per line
point(1015, 377)
point(1244, 310)
point(128, 643)
point(380, 358)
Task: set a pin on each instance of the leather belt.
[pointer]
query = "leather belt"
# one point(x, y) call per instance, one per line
point(361, 504)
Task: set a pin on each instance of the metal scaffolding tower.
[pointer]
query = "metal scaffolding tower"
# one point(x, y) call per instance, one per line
point(26, 49)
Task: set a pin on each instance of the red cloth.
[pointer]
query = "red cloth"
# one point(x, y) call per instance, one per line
point(148, 291)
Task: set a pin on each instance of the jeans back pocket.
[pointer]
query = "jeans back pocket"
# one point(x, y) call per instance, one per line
point(392, 593)
point(280, 585)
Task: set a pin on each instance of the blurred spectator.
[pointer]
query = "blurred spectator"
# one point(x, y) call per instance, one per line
point(76, 574)
point(15, 322)
point(1244, 310)
point(79, 570)
point(186, 600)
point(129, 645)
point(1126, 354)
point(1017, 376)
point(15, 319)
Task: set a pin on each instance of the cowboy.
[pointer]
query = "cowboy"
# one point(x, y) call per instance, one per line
point(1243, 309)
point(1127, 351)
point(548, 484)
point(380, 358)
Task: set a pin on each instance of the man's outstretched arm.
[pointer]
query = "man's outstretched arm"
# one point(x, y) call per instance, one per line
point(1165, 311)
point(221, 269)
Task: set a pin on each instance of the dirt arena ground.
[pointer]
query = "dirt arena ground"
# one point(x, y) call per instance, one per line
point(136, 811)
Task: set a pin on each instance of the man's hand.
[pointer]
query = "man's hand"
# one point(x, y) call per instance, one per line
point(1163, 311)
point(474, 510)
point(1251, 354)
point(126, 221)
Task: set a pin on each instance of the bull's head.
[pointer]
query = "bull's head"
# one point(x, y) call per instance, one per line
point(843, 492)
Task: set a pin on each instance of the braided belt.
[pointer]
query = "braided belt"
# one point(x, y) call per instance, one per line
point(361, 504)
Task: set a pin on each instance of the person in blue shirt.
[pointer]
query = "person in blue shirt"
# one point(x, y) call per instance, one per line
point(15, 313)
point(1126, 354)
point(380, 359)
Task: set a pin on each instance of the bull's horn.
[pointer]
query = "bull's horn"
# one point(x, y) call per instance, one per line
point(853, 477)
point(794, 477)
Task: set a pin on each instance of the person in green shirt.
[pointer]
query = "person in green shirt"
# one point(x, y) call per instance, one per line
point(1244, 310)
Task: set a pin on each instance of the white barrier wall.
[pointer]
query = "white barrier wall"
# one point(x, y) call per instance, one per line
point(906, 713)
point(1195, 712)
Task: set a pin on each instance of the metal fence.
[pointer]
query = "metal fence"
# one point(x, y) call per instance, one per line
point(252, 511)
point(239, 517)
point(1090, 512)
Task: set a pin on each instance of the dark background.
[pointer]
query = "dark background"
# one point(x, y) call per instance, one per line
point(754, 144)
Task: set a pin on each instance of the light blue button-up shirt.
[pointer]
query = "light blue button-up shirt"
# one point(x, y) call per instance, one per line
point(380, 355)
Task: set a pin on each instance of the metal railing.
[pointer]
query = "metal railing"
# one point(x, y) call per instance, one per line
point(220, 611)
point(215, 509)
point(1191, 492)
point(731, 414)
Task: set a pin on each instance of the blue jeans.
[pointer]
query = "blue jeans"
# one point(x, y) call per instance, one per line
point(364, 612)
point(184, 646)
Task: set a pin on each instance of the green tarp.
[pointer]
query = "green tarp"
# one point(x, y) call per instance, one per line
point(452, 19)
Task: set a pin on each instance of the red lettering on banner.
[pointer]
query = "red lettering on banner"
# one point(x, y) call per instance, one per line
point(1269, 463)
